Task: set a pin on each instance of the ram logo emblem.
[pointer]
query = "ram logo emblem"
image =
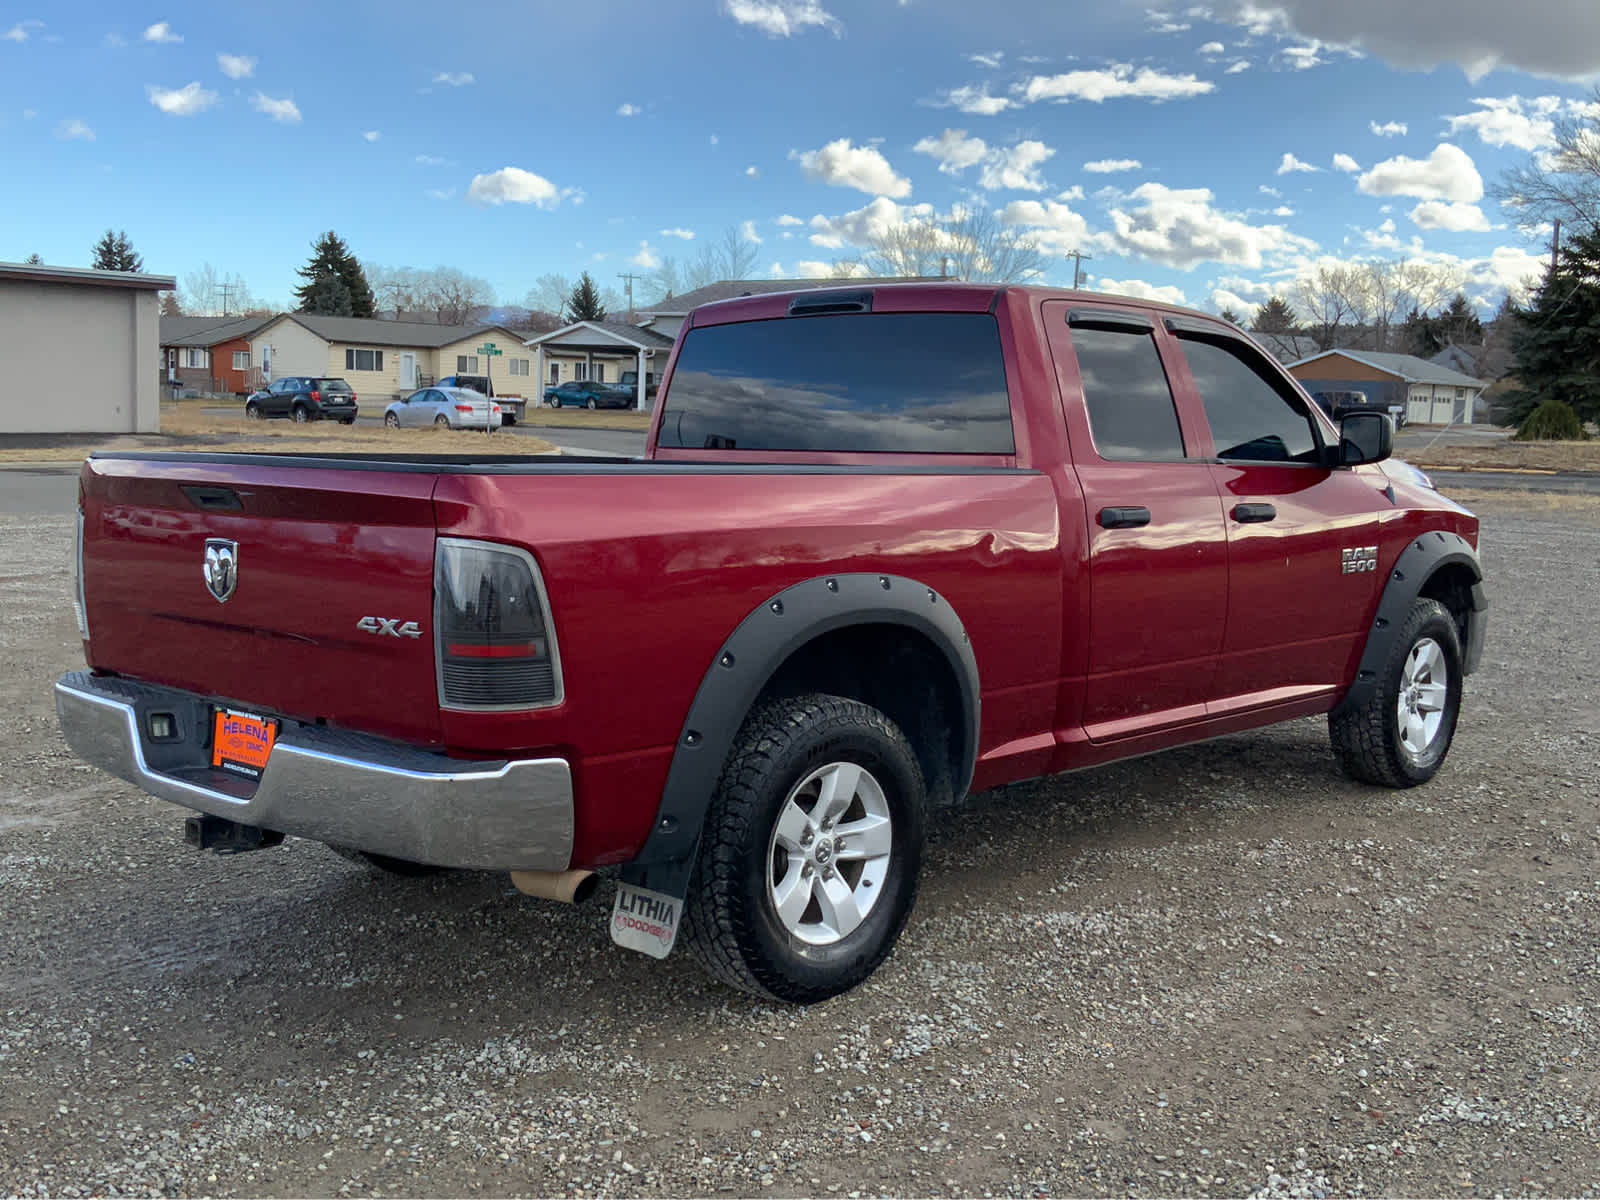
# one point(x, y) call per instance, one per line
point(1357, 560)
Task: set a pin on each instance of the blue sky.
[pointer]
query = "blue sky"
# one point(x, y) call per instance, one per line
point(1202, 153)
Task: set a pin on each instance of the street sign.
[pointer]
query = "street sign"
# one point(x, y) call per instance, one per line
point(490, 349)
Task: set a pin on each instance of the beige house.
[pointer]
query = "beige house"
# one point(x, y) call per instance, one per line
point(385, 359)
point(102, 327)
point(601, 351)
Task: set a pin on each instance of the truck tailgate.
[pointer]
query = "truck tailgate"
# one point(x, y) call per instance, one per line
point(330, 564)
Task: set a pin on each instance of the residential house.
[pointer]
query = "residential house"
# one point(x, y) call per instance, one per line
point(390, 358)
point(209, 354)
point(1459, 358)
point(668, 315)
point(82, 350)
point(1432, 394)
point(602, 351)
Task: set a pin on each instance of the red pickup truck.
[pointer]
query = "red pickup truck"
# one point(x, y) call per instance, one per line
point(886, 546)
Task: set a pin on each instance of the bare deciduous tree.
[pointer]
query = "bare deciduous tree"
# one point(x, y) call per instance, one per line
point(1369, 299)
point(971, 243)
point(1562, 183)
point(447, 295)
point(208, 293)
point(548, 294)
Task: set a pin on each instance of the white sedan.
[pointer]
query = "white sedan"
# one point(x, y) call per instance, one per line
point(450, 408)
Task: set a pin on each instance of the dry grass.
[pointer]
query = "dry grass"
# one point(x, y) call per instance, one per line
point(185, 427)
point(582, 418)
point(1481, 500)
point(1538, 456)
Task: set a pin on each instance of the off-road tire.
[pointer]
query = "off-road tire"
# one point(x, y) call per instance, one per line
point(1367, 739)
point(730, 923)
point(390, 866)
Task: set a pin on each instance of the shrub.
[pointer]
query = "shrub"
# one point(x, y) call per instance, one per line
point(1552, 421)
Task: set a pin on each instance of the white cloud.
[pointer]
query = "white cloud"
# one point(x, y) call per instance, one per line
point(1388, 128)
point(1302, 56)
point(1247, 292)
point(191, 98)
point(454, 78)
point(1181, 228)
point(113, 41)
point(513, 185)
point(431, 160)
point(161, 33)
point(809, 268)
point(22, 30)
point(1075, 192)
point(841, 164)
point(372, 135)
point(1055, 226)
point(1161, 22)
point(1116, 82)
point(628, 110)
point(776, 271)
point(646, 257)
point(74, 130)
point(1283, 210)
point(1110, 166)
point(29, 114)
point(1556, 38)
point(1510, 121)
point(1015, 169)
point(1343, 162)
point(715, 140)
point(1140, 290)
point(441, 193)
point(1291, 164)
point(285, 111)
point(1213, 48)
point(752, 172)
point(1455, 218)
point(860, 227)
point(685, 234)
point(748, 232)
point(782, 18)
point(1270, 191)
point(237, 66)
point(975, 100)
point(992, 61)
point(1238, 66)
point(1446, 174)
point(786, 219)
point(954, 150)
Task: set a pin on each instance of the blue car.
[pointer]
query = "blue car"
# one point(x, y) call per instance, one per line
point(587, 393)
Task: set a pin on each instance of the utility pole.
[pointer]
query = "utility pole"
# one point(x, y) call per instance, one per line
point(1078, 257)
point(627, 278)
point(226, 290)
point(1555, 249)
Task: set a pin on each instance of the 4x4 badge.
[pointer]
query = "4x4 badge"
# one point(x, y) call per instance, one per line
point(222, 568)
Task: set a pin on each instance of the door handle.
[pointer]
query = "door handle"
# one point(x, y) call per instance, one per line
point(1253, 514)
point(1125, 517)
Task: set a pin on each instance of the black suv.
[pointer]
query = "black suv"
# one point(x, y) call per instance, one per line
point(304, 398)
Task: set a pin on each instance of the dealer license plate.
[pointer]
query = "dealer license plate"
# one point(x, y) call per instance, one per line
point(242, 742)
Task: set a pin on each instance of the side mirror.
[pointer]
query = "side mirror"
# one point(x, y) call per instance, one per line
point(1365, 437)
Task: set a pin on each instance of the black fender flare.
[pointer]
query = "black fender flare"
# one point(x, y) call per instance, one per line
point(745, 663)
point(1423, 557)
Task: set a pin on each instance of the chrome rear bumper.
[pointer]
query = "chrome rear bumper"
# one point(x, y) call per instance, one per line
point(334, 787)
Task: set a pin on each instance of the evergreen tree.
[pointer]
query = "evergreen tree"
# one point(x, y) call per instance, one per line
point(114, 252)
point(1425, 336)
point(1232, 318)
point(1275, 316)
point(331, 260)
point(33, 260)
point(1557, 339)
point(584, 303)
point(170, 305)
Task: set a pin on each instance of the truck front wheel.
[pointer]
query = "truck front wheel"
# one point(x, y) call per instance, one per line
point(809, 862)
point(1400, 736)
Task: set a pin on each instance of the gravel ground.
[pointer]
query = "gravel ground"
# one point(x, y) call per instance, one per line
point(1221, 971)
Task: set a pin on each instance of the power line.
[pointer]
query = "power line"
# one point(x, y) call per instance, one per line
point(1078, 258)
point(628, 277)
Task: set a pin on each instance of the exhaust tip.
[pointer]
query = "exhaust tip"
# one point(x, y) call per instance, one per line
point(567, 887)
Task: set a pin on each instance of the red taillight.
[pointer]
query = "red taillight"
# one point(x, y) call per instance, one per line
point(352, 397)
point(316, 397)
point(495, 649)
point(466, 408)
point(496, 407)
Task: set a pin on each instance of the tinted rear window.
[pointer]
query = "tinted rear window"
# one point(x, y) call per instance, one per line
point(1131, 411)
point(332, 385)
point(887, 382)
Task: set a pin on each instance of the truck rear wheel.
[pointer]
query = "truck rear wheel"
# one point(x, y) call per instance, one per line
point(809, 862)
point(1400, 736)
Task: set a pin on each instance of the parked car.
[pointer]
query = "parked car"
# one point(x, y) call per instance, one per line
point(304, 398)
point(1338, 403)
point(629, 382)
point(587, 393)
point(511, 407)
point(447, 407)
point(868, 563)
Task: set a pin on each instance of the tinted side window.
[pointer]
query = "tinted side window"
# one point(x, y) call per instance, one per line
point(887, 382)
point(1250, 418)
point(1131, 412)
